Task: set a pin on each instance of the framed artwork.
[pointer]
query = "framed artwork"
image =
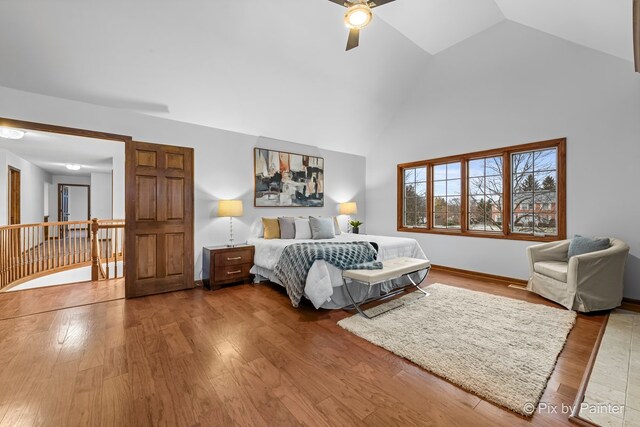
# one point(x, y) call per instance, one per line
point(287, 179)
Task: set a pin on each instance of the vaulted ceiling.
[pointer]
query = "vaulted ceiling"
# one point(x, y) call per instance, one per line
point(275, 68)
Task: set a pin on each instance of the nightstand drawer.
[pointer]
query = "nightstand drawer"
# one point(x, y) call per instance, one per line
point(232, 272)
point(235, 257)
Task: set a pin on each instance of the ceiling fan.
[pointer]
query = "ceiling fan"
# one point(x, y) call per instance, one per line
point(358, 16)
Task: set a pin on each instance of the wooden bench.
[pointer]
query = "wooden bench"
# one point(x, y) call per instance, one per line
point(394, 268)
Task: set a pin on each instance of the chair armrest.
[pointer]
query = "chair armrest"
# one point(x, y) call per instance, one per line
point(599, 273)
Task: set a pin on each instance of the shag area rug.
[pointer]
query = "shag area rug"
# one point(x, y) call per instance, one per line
point(501, 349)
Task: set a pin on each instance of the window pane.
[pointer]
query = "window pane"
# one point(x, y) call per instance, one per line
point(409, 190)
point(409, 219)
point(440, 219)
point(494, 185)
point(476, 168)
point(453, 187)
point(440, 188)
point(421, 189)
point(494, 166)
point(439, 204)
point(545, 160)
point(521, 163)
point(453, 204)
point(524, 182)
point(421, 174)
point(523, 223)
point(409, 175)
point(546, 223)
point(453, 220)
point(453, 170)
point(546, 180)
point(476, 185)
point(439, 172)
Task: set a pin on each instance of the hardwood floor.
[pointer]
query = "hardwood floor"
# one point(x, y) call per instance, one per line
point(40, 300)
point(240, 355)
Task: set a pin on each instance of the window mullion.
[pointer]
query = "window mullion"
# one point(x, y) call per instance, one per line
point(429, 196)
point(506, 193)
point(464, 198)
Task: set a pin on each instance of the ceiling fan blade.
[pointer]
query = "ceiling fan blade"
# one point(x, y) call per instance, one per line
point(354, 38)
point(342, 3)
point(376, 3)
point(636, 33)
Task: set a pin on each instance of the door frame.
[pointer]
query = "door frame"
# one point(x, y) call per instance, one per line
point(61, 185)
point(43, 127)
point(10, 172)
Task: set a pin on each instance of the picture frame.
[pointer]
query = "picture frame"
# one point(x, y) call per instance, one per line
point(283, 179)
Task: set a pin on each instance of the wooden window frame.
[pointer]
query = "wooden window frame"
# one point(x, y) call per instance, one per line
point(505, 152)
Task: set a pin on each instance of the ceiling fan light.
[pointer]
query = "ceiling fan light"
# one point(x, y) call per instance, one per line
point(358, 16)
point(11, 133)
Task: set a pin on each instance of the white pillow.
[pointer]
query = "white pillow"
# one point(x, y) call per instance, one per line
point(257, 228)
point(336, 226)
point(303, 229)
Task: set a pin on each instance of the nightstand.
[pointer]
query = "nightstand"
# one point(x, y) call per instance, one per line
point(222, 265)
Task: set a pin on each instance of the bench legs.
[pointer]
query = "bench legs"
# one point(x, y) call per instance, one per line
point(357, 305)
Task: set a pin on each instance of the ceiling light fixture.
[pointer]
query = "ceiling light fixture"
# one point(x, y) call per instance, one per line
point(73, 166)
point(11, 133)
point(358, 16)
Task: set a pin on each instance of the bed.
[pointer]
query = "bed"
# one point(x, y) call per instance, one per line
point(324, 286)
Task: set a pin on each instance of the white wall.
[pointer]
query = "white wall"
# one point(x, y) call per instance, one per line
point(32, 182)
point(101, 196)
point(223, 161)
point(512, 85)
point(53, 192)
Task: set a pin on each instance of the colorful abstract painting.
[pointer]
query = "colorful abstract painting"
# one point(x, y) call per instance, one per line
point(287, 179)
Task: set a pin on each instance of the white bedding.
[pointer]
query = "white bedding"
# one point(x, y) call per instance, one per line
point(324, 277)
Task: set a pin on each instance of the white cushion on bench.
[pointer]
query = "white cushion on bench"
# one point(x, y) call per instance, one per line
point(391, 269)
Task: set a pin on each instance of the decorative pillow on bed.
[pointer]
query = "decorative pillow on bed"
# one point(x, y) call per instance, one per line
point(271, 228)
point(303, 230)
point(321, 227)
point(287, 227)
point(336, 226)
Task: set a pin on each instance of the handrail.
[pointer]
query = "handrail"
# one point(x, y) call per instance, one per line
point(28, 251)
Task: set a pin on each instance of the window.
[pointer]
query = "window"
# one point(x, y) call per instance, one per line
point(446, 195)
point(514, 192)
point(415, 197)
point(485, 193)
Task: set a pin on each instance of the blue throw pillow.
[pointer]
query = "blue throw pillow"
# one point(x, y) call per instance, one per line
point(583, 245)
point(322, 228)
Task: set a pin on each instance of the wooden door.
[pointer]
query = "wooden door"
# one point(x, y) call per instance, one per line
point(159, 215)
point(14, 196)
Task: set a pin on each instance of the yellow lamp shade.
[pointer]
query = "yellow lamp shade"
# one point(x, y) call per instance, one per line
point(230, 208)
point(350, 208)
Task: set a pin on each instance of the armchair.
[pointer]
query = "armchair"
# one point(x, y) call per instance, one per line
point(588, 282)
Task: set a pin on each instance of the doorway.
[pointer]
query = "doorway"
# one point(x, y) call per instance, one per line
point(14, 196)
point(162, 242)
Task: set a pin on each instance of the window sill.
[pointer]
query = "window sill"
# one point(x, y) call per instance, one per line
point(485, 235)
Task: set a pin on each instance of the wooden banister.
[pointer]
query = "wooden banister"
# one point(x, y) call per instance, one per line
point(33, 250)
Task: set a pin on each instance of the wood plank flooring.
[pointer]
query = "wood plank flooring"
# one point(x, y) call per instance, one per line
point(39, 300)
point(239, 356)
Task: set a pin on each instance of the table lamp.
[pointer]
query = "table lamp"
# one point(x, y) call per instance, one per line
point(230, 208)
point(349, 208)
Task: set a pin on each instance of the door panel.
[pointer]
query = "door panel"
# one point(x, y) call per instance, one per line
point(159, 205)
point(14, 196)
